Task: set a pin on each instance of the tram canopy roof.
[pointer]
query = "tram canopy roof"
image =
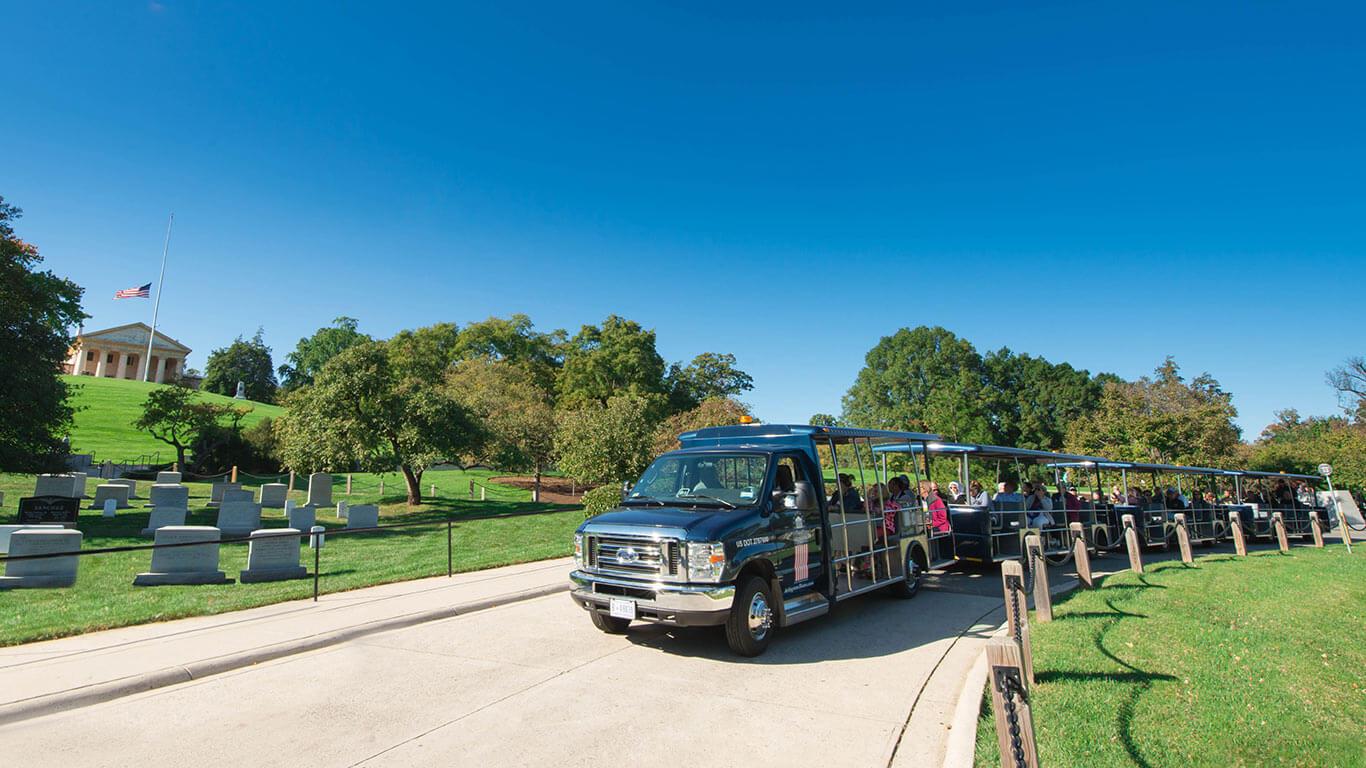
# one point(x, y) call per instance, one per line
point(986, 452)
point(1172, 468)
point(742, 432)
point(1278, 475)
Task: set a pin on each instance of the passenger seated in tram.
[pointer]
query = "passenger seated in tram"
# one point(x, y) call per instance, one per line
point(1252, 497)
point(1038, 505)
point(1007, 497)
point(1282, 496)
point(852, 503)
point(956, 493)
point(939, 511)
point(1117, 496)
point(977, 495)
point(880, 501)
point(900, 488)
point(1173, 500)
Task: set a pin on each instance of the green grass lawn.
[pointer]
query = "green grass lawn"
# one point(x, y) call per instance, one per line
point(107, 408)
point(104, 595)
point(1237, 662)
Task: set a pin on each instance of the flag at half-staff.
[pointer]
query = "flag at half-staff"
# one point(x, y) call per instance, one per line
point(141, 292)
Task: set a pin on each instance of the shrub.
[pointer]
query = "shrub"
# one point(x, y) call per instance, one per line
point(603, 499)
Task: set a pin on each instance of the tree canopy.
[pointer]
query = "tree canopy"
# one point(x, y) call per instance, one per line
point(1349, 379)
point(312, 353)
point(245, 361)
point(178, 416)
point(617, 358)
point(517, 413)
point(1299, 445)
point(709, 375)
point(37, 313)
point(606, 442)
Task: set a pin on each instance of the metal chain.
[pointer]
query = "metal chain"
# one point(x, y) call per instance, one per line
point(1011, 687)
point(1018, 628)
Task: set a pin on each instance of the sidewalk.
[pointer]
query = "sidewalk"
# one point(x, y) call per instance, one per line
point(55, 675)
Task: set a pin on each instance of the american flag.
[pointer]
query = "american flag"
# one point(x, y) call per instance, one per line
point(141, 292)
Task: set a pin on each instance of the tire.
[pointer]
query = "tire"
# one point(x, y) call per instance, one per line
point(1101, 540)
point(751, 622)
point(911, 586)
point(609, 624)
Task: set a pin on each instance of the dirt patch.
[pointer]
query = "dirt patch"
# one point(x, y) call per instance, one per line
point(554, 490)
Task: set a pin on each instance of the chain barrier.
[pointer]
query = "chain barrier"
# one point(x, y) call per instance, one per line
point(1009, 684)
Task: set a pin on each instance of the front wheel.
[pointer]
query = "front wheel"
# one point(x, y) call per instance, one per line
point(609, 624)
point(750, 624)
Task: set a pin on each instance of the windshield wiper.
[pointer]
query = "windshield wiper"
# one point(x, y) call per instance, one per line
point(644, 499)
point(712, 498)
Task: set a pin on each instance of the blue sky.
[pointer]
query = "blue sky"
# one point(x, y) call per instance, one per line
point(1098, 183)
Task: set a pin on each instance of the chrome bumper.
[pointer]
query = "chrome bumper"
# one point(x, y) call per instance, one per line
point(683, 604)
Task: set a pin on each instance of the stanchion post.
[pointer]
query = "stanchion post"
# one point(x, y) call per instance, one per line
point(291, 480)
point(348, 485)
point(1081, 554)
point(450, 557)
point(381, 486)
point(1131, 543)
point(1010, 704)
point(1235, 524)
point(234, 473)
point(1043, 599)
point(1017, 619)
point(1316, 528)
point(482, 492)
point(316, 555)
point(432, 491)
point(471, 490)
point(1278, 522)
point(1183, 537)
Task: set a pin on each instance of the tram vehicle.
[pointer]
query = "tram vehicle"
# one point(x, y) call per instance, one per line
point(1265, 493)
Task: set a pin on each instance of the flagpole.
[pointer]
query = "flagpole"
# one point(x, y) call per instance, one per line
point(147, 364)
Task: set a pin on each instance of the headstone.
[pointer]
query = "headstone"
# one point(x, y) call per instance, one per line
point(54, 485)
point(167, 495)
point(78, 484)
point(110, 507)
point(241, 391)
point(168, 478)
point(237, 519)
point(274, 495)
point(342, 509)
point(242, 495)
point(50, 509)
point(319, 490)
point(47, 572)
point(115, 492)
point(273, 556)
point(301, 518)
point(131, 483)
point(317, 537)
point(184, 565)
point(6, 530)
point(363, 516)
point(217, 490)
point(163, 517)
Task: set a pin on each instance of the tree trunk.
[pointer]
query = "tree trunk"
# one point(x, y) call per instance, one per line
point(413, 481)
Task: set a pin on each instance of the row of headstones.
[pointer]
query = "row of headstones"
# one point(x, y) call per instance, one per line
point(240, 517)
point(273, 495)
point(273, 555)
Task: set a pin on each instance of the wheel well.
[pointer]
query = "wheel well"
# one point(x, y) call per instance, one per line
point(759, 566)
point(921, 558)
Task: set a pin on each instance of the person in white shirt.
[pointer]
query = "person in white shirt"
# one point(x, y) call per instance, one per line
point(977, 495)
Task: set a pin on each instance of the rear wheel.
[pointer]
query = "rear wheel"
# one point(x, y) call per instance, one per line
point(609, 624)
point(911, 586)
point(750, 624)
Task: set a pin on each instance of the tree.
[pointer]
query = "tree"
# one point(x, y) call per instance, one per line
point(712, 412)
point(823, 420)
point(600, 363)
point(708, 375)
point(1299, 445)
point(1161, 420)
point(37, 312)
point(362, 411)
point(312, 353)
point(1349, 379)
point(518, 415)
point(1032, 400)
point(514, 340)
point(922, 380)
point(425, 353)
point(245, 361)
point(178, 416)
point(606, 442)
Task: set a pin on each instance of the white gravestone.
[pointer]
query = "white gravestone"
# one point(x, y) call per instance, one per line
point(163, 517)
point(342, 509)
point(184, 565)
point(363, 516)
point(47, 572)
point(132, 486)
point(319, 490)
point(243, 495)
point(273, 556)
point(217, 490)
point(6, 530)
point(237, 519)
point(273, 495)
point(115, 492)
point(53, 485)
point(110, 507)
point(78, 485)
point(301, 518)
point(164, 495)
point(168, 478)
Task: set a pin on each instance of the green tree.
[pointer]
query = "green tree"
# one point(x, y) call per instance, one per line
point(518, 414)
point(606, 442)
point(1161, 419)
point(361, 411)
point(823, 420)
point(1349, 379)
point(1299, 445)
point(1032, 400)
point(180, 417)
point(600, 363)
point(425, 353)
point(312, 353)
point(712, 412)
point(923, 380)
point(37, 312)
point(708, 375)
point(245, 361)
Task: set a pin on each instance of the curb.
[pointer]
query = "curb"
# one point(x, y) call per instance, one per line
point(96, 693)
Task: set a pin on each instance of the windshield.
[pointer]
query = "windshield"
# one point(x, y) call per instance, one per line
point(704, 478)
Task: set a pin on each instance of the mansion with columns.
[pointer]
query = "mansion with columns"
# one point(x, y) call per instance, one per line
point(119, 353)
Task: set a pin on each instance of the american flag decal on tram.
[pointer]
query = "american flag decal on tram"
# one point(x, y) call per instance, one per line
point(803, 554)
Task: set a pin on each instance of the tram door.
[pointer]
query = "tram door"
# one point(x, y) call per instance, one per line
point(864, 554)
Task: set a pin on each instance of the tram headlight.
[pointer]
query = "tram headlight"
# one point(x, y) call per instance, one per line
point(578, 550)
point(706, 561)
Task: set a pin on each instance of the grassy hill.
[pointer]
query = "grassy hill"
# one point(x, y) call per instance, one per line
point(103, 425)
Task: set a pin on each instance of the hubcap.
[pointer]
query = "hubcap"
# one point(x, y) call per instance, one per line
point(760, 616)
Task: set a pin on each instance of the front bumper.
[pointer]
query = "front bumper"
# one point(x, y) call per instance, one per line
point(680, 605)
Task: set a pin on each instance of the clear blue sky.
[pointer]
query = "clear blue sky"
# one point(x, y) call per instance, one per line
point(1098, 183)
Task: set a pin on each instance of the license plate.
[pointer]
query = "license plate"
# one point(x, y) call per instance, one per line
point(622, 609)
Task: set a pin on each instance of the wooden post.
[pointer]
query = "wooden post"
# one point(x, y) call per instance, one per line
point(1235, 524)
point(291, 480)
point(1010, 704)
point(234, 473)
point(433, 491)
point(471, 490)
point(1131, 542)
point(1017, 618)
point(1082, 555)
point(482, 491)
point(1043, 600)
point(381, 486)
point(348, 485)
point(1278, 523)
point(1346, 534)
point(1316, 528)
point(1183, 537)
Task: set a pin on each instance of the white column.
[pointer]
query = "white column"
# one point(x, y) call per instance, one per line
point(143, 360)
point(100, 355)
point(123, 363)
point(161, 370)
